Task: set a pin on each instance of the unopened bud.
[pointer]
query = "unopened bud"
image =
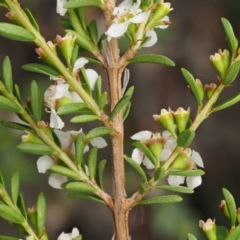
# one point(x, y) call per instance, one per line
point(209, 89)
point(209, 228)
point(161, 11)
point(181, 117)
point(31, 138)
point(223, 207)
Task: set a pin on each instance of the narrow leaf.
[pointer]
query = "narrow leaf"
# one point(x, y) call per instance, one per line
point(21, 205)
point(83, 3)
point(31, 19)
point(146, 151)
point(63, 171)
point(126, 110)
point(41, 213)
point(185, 138)
point(7, 237)
point(40, 68)
point(92, 162)
point(10, 215)
point(232, 73)
point(35, 148)
point(179, 189)
point(234, 234)
point(137, 168)
point(102, 101)
point(85, 196)
point(79, 148)
point(153, 58)
point(189, 173)
point(36, 101)
point(191, 237)
point(15, 32)
point(84, 118)
point(98, 89)
point(8, 105)
point(15, 125)
point(71, 108)
point(192, 83)
point(98, 132)
point(159, 174)
point(93, 30)
point(221, 233)
point(1, 181)
point(85, 82)
point(162, 199)
point(228, 103)
point(231, 206)
point(80, 187)
point(15, 183)
point(121, 103)
point(75, 53)
point(7, 74)
point(17, 93)
point(230, 35)
point(101, 168)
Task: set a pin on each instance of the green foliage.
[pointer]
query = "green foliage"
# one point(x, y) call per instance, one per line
point(84, 118)
point(31, 18)
point(15, 125)
point(99, 132)
point(7, 74)
point(79, 187)
point(10, 215)
point(234, 234)
point(36, 101)
point(178, 189)
point(189, 173)
point(101, 168)
point(232, 73)
point(15, 184)
point(92, 162)
point(85, 196)
point(191, 237)
point(8, 105)
point(161, 199)
point(222, 233)
point(63, 171)
point(71, 108)
point(83, 3)
point(93, 30)
point(41, 213)
point(185, 138)
point(79, 148)
point(35, 148)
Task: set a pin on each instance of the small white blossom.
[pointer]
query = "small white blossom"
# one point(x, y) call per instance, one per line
point(60, 9)
point(56, 180)
point(55, 121)
point(44, 163)
point(69, 236)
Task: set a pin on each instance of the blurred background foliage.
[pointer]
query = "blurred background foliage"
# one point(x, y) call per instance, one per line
point(194, 35)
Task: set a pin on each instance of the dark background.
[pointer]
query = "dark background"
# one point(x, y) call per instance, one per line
point(194, 35)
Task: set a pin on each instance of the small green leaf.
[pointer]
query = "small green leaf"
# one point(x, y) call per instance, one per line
point(15, 125)
point(137, 168)
point(153, 58)
point(10, 215)
point(101, 168)
point(98, 132)
point(83, 3)
point(35, 148)
point(85, 196)
point(228, 103)
point(84, 118)
point(93, 31)
point(146, 151)
point(231, 206)
point(185, 138)
point(75, 53)
point(162, 199)
point(7, 237)
point(232, 73)
point(85, 82)
point(82, 41)
point(41, 213)
point(121, 103)
point(15, 183)
point(8, 105)
point(21, 205)
point(230, 35)
point(179, 189)
point(63, 171)
point(79, 187)
point(98, 89)
point(15, 32)
point(78, 237)
point(71, 108)
point(79, 148)
point(189, 173)
point(7, 74)
point(192, 83)
point(31, 19)
point(126, 110)
point(92, 162)
point(191, 237)
point(40, 68)
point(93, 60)
point(36, 101)
point(234, 234)
point(1, 181)
point(221, 233)
point(102, 101)
point(17, 93)
point(159, 174)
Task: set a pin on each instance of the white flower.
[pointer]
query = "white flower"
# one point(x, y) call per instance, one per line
point(192, 182)
point(80, 62)
point(44, 163)
point(56, 180)
point(55, 121)
point(127, 12)
point(60, 9)
point(69, 236)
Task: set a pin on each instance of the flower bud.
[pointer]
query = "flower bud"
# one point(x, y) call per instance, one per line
point(161, 11)
point(238, 215)
point(32, 216)
point(225, 58)
point(209, 228)
point(166, 120)
point(209, 89)
point(13, 18)
point(200, 89)
point(66, 45)
point(31, 138)
point(224, 208)
point(181, 117)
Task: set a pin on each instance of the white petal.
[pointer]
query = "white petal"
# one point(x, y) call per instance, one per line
point(166, 18)
point(86, 149)
point(152, 40)
point(147, 163)
point(99, 142)
point(92, 77)
point(60, 9)
point(80, 62)
point(193, 182)
point(117, 29)
point(56, 180)
point(64, 138)
point(165, 154)
point(141, 136)
point(137, 156)
point(55, 120)
point(75, 233)
point(44, 163)
point(57, 79)
point(60, 91)
point(64, 236)
point(197, 158)
point(175, 180)
point(141, 17)
point(75, 133)
point(75, 97)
